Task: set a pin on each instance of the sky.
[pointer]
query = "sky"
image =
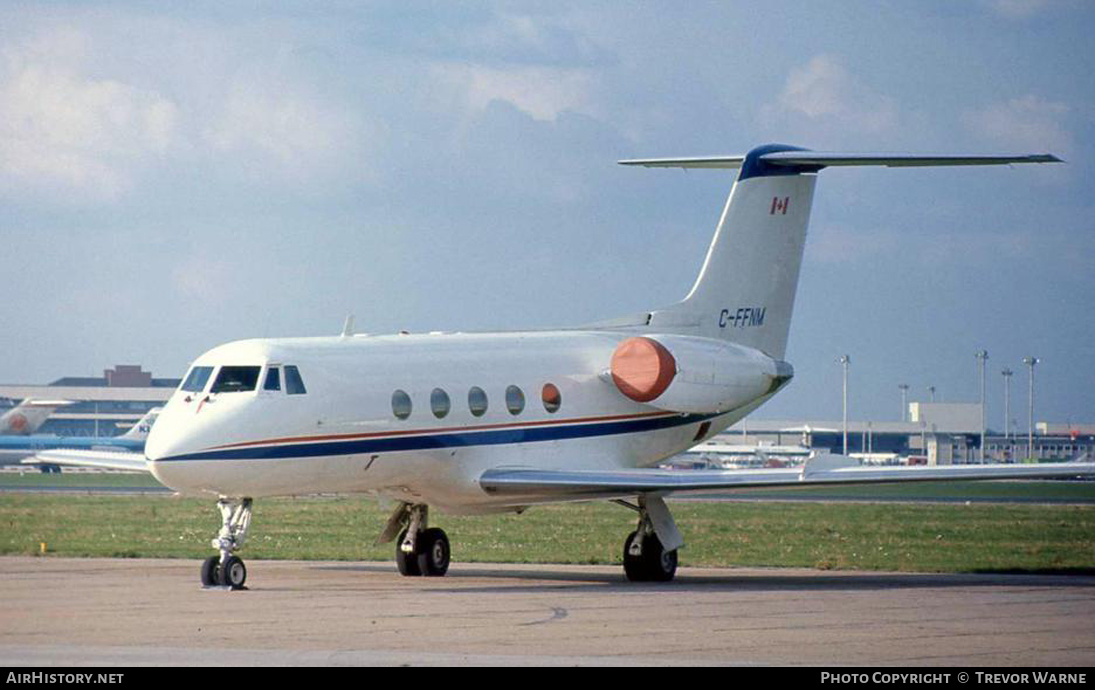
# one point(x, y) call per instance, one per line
point(178, 175)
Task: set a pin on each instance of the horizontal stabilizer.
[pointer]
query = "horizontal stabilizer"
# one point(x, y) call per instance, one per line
point(896, 160)
point(823, 159)
point(704, 162)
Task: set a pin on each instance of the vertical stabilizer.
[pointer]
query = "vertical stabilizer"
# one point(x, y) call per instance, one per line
point(139, 431)
point(745, 292)
point(25, 418)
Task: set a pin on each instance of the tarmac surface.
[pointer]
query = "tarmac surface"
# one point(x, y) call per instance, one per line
point(85, 612)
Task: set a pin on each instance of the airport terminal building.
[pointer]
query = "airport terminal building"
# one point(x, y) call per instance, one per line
point(102, 406)
point(937, 434)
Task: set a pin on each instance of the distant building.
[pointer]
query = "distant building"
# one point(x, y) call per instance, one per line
point(940, 434)
point(104, 406)
point(947, 416)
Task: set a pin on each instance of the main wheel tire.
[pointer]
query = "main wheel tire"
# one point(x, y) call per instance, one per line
point(233, 573)
point(633, 565)
point(406, 562)
point(433, 552)
point(211, 571)
point(661, 565)
point(654, 564)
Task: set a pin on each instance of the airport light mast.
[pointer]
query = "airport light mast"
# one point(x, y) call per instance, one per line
point(1007, 372)
point(1030, 362)
point(931, 392)
point(844, 360)
point(982, 356)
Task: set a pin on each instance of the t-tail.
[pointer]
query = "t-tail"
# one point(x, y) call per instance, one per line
point(745, 292)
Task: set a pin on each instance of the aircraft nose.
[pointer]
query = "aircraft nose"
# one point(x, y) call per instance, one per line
point(168, 437)
point(156, 446)
point(167, 443)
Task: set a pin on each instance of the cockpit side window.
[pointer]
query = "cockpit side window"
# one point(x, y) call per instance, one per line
point(196, 379)
point(236, 379)
point(294, 384)
point(273, 380)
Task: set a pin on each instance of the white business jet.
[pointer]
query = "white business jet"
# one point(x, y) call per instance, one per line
point(494, 422)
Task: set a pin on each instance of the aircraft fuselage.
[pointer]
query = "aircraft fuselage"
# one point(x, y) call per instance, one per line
point(549, 403)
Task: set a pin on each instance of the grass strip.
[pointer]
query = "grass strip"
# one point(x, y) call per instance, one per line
point(864, 536)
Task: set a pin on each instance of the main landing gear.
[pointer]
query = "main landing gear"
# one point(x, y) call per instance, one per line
point(420, 551)
point(650, 552)
point(227, 569)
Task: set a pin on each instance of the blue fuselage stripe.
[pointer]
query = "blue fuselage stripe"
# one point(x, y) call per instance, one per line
point(445, 440)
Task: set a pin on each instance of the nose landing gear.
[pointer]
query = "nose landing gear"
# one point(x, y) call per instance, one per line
point(227, 569)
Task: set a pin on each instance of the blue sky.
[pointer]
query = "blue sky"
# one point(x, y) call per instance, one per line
point(173, 178)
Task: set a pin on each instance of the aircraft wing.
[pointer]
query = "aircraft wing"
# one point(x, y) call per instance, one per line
point(102, 459)
point(832, 469)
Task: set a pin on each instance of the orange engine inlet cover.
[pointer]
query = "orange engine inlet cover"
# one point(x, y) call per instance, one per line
point(642, 368)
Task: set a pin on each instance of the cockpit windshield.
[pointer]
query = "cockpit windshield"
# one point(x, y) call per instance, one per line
point(196, 379)
point(236, 379)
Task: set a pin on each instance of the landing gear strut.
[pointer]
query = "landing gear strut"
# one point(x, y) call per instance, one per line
point(646, 557)
point(419, 550)
point(227, 569)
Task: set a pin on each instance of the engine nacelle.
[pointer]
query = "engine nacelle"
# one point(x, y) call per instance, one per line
point(692, 374)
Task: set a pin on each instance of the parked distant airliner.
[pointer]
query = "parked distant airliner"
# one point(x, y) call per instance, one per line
point(25, 418)
point(124, 452)
point(492, 422)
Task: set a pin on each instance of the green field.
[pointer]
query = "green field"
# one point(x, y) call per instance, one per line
point(32, 479)
point(907, 537)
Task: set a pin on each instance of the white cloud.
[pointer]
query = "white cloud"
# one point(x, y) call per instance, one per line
point(1029, 123)
point(79, 125)
point(265, 125)
point(541, 92)
point(825, 91)
point(63, 130)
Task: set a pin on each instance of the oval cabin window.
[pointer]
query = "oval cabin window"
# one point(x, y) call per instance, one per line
point(515, 400)
point(401, 404)
point(439, 403)
point(477, 401)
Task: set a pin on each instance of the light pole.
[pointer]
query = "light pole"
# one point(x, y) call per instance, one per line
point(1030, 362)
point(904, 401)
point(931, 392)
point(1007, 401)
point(844, 360)
point(982, 356)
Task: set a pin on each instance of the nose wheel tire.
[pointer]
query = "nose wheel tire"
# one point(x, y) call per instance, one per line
point(211, 572)
point(652, 564)
point(233, 573)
